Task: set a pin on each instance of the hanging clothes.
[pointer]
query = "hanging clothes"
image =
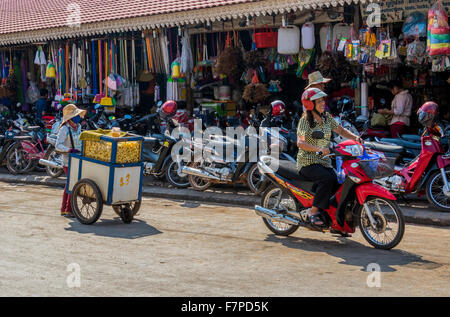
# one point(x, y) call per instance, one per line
point(42, 62)
point(165, 53)
point(187, 62)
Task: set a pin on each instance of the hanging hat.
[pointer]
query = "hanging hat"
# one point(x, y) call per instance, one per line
point(316, 78)
point(71, 111)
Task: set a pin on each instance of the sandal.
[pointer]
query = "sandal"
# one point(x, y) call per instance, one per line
point(342, 233)
point(316, 220)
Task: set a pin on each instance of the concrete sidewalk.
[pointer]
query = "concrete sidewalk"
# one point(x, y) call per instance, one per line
point(416, 212)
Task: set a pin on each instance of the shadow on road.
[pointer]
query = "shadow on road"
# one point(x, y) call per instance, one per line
point(116, 229)
point(357, 254)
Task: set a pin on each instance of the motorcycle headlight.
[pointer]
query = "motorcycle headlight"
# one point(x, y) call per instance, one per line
point(355, 150)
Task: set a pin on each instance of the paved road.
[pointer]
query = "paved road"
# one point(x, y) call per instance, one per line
point(178, 248)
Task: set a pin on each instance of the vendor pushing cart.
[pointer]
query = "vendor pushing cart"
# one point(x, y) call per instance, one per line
point(108, 171)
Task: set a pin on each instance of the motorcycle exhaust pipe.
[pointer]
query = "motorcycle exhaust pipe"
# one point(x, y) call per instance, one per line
point(50, 164)
point(199, 173)
point(273, 215)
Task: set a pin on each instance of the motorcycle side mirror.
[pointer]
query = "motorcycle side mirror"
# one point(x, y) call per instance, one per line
point(318, 135)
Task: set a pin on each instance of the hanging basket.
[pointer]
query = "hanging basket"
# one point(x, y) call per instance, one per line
point(266, 39)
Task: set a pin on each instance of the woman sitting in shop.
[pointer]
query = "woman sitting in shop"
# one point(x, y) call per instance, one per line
point(68, 141)
point(400, 109)
point(316, 168)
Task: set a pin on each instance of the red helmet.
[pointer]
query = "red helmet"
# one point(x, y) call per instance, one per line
point(169, 108)
point(428, 113)
point(310, 95)
point(278, 108)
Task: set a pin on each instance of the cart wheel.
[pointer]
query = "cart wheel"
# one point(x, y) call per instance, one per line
point(135, 206)
point(87, 201)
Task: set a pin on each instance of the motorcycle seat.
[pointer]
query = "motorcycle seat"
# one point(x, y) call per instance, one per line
point(22, 137)
point(384, 147)
point(221, 141)
point(149, 139)
point(150, 143)
point(404, 143)
point(33, 128)
point(289, 171)
point(411, 138)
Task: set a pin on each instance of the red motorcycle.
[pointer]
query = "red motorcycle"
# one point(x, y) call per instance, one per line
point(428, 173)
point(357, 202)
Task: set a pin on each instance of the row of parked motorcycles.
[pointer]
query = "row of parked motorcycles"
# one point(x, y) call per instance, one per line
point(25, 143)
point(372, 174)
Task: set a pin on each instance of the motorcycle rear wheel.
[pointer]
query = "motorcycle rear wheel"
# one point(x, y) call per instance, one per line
point(52, 172)
point(199, 183)
point(17, 161)
point(435, 191)
point(254, 178)
point(388, 219)
point(276, 199)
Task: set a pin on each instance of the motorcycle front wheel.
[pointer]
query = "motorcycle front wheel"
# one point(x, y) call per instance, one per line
point(389, 224)
point(175, 179)
point(276, 199)
point(436, 194)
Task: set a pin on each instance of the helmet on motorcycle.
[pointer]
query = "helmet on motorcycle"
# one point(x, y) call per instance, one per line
point(169, 108)
point(278, 108)
point(428, 113)
point(310, 95)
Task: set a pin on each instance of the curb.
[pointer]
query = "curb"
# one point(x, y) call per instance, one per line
point(412, 215)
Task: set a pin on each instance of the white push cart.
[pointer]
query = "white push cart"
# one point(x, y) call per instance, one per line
point(109, 171)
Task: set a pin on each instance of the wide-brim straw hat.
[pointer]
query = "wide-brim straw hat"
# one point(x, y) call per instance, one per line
point(71, 111)
point(316, 78)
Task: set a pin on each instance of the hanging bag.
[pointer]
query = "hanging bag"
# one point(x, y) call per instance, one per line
point(265, 39)
point(438, 42)
point(50, 71)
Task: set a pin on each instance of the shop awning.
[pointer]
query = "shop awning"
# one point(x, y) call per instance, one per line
point(28, 21)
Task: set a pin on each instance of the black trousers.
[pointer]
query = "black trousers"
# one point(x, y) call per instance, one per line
point(326, 183)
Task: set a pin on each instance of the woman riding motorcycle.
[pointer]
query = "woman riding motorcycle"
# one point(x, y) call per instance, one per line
point(317, 168)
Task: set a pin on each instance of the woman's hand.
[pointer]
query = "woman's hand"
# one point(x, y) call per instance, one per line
point(359, 140)
point(325, 151)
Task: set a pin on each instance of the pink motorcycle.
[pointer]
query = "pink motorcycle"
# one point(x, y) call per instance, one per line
point(25, 154)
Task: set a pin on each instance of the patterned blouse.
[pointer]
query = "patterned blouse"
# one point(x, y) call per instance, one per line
point(305, 158)
point(64, 144)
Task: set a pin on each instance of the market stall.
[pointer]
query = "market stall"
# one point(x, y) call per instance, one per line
point(223, 70)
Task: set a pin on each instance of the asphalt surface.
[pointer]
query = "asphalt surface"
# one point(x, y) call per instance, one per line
point(185, 248)
point(416, 210)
